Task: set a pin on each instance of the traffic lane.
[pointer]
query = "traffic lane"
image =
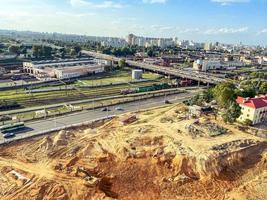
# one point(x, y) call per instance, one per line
point(97, 113)
point(61, 122)
point(86, 115)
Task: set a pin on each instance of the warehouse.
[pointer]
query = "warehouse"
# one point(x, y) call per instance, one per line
point(67, 68)
point(72, 72)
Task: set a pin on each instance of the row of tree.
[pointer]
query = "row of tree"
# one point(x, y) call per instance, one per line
point(45, 51)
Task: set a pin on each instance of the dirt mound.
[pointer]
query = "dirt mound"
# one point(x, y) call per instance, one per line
point(46, 143)
point(62, 138)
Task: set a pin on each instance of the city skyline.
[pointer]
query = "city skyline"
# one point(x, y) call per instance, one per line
point(228, 21)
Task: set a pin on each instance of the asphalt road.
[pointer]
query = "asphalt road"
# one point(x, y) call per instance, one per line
point(35, 127)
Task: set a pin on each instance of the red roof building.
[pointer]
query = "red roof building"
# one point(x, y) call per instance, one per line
point(254, 109)
point(257, 102)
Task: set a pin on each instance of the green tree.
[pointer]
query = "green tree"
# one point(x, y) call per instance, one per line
point(15, 49)
point(248, 122)
point(224, 94)
point(263, 88)
point(231, 113)
point(46, 51)
point(150, 53)
point(247, 91)
point(208, 95)
point(73, 53)
point(62, 52)
point(37, 51)
point(122, 63)
point(77, 49)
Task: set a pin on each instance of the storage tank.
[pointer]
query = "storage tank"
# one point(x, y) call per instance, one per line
point(137, 74)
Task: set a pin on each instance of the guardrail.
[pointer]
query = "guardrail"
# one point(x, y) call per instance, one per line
point(40, 133)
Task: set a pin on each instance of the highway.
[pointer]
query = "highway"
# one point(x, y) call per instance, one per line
point(35, 127)
point(201, 77)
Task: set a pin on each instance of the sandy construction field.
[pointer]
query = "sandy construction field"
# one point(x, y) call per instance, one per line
point(154, 154)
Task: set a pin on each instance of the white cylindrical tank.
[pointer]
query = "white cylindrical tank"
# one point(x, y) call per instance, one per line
point(137, 74)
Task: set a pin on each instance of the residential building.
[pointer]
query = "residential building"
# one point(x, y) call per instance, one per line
point(147, 42)
point(131, 39)
point(208, 46)
point(246, 60)
point(253, 109)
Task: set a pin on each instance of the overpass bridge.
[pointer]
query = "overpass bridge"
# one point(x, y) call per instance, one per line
point(192, 75)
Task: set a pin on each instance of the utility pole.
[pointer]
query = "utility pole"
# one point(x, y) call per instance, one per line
point(55, 122)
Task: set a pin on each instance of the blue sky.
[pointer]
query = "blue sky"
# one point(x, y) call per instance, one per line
point(230, 21)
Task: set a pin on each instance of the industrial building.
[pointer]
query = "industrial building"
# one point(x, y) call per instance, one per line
point(67, 68)
point(213, 64)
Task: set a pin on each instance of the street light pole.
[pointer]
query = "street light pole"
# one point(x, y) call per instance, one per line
point(55, 122)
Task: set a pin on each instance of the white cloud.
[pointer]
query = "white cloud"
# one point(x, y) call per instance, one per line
point(155, 1)
point(228, 2)
point(226, 30)
point(104, 4)
point(263, 31)
point(187, 30)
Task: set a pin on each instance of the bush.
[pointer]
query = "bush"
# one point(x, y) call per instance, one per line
point(231, 113)
point(248, 122)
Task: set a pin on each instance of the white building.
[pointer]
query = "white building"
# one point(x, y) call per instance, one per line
point(205, 65)
point(213, 64)
point(253, 109)
point(137, 74)
point(72, 72)
point(208, 46)
point(67, 68)
point(262, 60)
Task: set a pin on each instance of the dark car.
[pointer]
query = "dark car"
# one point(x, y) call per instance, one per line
point(105, 109)
point(9, 135)
point(167, 102)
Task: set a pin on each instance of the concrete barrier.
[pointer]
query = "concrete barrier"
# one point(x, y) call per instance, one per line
point(27, 136)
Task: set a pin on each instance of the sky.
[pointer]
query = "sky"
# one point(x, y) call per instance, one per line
point(229, 21)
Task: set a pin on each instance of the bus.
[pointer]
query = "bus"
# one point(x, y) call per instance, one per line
point(12, 127)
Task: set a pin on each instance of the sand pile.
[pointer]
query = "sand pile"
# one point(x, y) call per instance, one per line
point(46, 143)
point(62, 138)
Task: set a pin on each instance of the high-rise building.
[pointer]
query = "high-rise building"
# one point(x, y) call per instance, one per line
point(131, 39)
point(208, 46)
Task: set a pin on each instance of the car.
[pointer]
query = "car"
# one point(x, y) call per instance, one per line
point(9, 135)
point(167, 102)
point(105, 109)
point(119, 109)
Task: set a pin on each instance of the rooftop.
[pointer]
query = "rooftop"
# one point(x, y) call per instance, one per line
point(257, 102)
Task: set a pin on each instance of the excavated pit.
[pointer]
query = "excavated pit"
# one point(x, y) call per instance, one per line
point(162, 154)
